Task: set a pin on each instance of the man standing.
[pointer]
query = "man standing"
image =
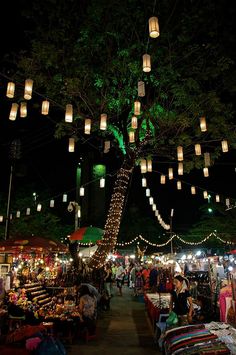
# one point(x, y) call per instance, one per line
point(120, 273)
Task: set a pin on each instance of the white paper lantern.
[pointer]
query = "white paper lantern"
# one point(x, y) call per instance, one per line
point(102, 182)
point(203, 125)
point(148, 192)
point(146, 63)
point(69, 113)
point(28, 89)
point(143, 165)
point(137, 108)
point(205, 194)
point(13, 112)
point(131, 137)
point(87, 126)
point(10, 90)
point(45, 107)
point(154, 30)
point(52, 203)
point(180, 153)
point(198, 150)
point(81, 191)
point(71, 147)
point(27, 211)
point(180, 168)
point(170, 173)
point(144, 182)
point(163, 179)
point(205, 172)
point(224, 145)
point(141, 89)
point(154, 207)
point(103, 121)
point(23, 109)
point(17, 214)
point(207, 159)
point(217, 198)
point(179, 185)
point(193, 190)
point(64, 198)
point(39, 207)
point(151, 200)
point(134, 122)
point(1, 219)
point(149, 165)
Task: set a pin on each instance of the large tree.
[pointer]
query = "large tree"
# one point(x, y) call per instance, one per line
point(89, 54)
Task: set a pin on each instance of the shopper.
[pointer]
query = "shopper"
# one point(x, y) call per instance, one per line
point(120, 274)
point(88, 309)
point(108, 279)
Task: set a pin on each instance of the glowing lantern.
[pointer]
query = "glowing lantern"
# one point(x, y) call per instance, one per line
point(87, 126)
point(137, 108)
point(154, 31)
point(13, 112)
point(224, 145)
point(131, 137)
point(103, 122)
point(52, 203)
point(28, 89)
point(170, 173)
point(205, 194)
point(143, 166)
point(193, 190)
point(149, 165)
point(102, 182)
point(180, 153)
point(27, 211)
point(146, 63)
point(134, 122)
point(148, 192)
point(151, 200)
point(207, 159)
point(217, 198)
point(71, 147)
point(17, 214)
point(205, 172)
point(180, 168)
point(144, 182)
point(10, 90)
point(39, 207)
point(64, 198)
point(203, 125)
point(163, 179)
point(141, 89)
point(23, 109)
point(45, 107)
point(1, 218)
point(198, 150)
point(179, 185)
point(81, 191)
point(69, 113)
point(154, 207)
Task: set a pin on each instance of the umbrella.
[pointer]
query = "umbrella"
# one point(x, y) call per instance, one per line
point(87, 252)
point(30, 244)
point(87, 234)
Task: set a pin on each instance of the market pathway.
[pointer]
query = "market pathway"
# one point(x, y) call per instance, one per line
point(125, 329)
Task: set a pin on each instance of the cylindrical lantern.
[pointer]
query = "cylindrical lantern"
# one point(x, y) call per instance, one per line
point(205, 172)
point(131, 137)
point(87, 126)
point(205, 194)
point(27, 211)
point(207, 159)
point(102, 182)
point(193, 190)
point(17, 214)
point(180, 154)
point(143, 166)
point(179, 185)
point(107, 146)
point(1, 218)
point(81, 191)
point(154, 31)
point(13, 112)
point(217, 198)
point(163, 179)
point(64, 198)
point(198, 150)
point(45, 107)
point(71, 147)
point(154, 207)
point(170, 173)
point(28, 89)
point(134, 122)
point(79, 211)
point(10, 90)
point(69, 113)
point(146, 63)
point(144, 182)
point(149, 165)
point(39, 207)
point(23, 109)
point(137, 108)
point(148, 192)
point(180, 168)
point(151, 200)
point(227, 202)
point(224, 145)
point(203, 125)
point(52, 203)
point(141, 89)
point(103, 121)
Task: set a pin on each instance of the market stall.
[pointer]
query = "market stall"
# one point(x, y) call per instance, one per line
point(156, 304)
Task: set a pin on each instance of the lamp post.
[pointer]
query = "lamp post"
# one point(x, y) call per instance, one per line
point(171, 242)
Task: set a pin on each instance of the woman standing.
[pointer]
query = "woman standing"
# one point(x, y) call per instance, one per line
point(88, 309)
point(181, 300)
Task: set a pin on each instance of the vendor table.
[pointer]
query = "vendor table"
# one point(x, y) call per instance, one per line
point(156, 304)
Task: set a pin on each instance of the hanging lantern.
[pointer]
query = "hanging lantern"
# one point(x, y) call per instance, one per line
point(13, 112)
point(107, 146)
point(146, 63)
point(180, 153)
point(198, 150)
point(149, 165)
point(137, 108)
point(193, 190)
point(79, 211)
point(154, 207)
point(103, 121)
point(81, 191)
point(154, 31)
point(205, 194)
point(203, 125)
point(102, 183)
point(163, 179)
point(217, 198)
point(27, 211)
point(71, 147)
point(28, 89)
point(180, 168)
point(170, 173)
point(1, 219)
point(23, 109)
point(151, 200)
point(134, 122)
point(10, 90)
point(64, 198)
point(205, 172)
point(39, 207)
point(131, 137)
point(144, 182)
point(45, 108)
point(17, 214)
point(227, 202)
point(207, 159)
point(52, 203)
point(224, 145)
point(148, 192)
point(143, 166)
point(69, 113)
point(179, 185)
point(141, 89)
point(87, 126)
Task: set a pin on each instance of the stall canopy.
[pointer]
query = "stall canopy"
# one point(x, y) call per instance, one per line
point(87, 235)
point(31, 244)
